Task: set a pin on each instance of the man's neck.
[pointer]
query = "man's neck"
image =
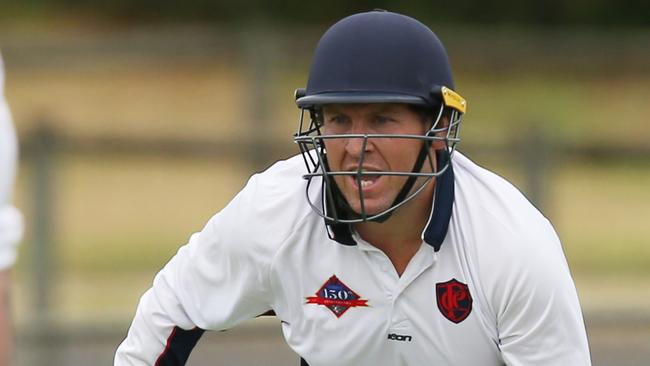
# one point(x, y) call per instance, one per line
point(399, 237)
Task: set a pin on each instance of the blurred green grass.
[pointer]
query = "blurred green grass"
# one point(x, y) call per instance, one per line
point(597, 110)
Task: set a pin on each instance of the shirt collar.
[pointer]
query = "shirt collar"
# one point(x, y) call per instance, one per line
point(436, 230)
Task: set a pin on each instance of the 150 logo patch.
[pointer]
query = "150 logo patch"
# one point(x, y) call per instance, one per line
point(336, 296)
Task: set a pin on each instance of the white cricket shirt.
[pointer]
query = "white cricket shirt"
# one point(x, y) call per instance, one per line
point(10, 218)
point(489, 285)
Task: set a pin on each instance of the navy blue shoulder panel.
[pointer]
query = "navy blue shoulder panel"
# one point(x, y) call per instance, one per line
point(436, 232)
point(179, 345)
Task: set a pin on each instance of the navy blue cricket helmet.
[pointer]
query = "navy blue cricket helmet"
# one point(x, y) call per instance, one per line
point(377, 57)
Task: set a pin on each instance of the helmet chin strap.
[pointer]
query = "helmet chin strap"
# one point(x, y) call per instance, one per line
point(342, 209)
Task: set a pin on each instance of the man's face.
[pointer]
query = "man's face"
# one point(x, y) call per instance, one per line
point(381, 154)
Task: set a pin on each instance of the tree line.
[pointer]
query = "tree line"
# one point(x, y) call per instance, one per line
point(598, 13)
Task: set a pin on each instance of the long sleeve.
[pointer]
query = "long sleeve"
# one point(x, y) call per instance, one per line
point(539, 317)
point(217, 280)
point(526, 294)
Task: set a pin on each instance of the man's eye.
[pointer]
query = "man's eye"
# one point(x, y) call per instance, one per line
point(382, 119)
point(337, 119)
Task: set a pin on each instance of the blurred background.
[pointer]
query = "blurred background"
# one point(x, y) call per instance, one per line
point(140, 120)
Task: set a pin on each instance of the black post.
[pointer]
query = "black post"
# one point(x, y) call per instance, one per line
point(536, 158)
point(261, 58)
point(43, 147)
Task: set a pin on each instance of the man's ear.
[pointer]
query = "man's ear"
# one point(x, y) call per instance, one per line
point(443, 123)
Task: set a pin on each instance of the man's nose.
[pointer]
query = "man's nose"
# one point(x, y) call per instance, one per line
point(356, 146)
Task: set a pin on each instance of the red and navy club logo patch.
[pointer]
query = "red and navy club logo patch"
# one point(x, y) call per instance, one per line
point(337, 297)
point(454, 300)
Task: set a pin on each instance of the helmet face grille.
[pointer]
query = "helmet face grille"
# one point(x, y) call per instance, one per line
point(329, 203)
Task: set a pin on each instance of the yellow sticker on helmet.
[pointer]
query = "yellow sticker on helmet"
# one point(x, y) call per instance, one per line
point(454, 100)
